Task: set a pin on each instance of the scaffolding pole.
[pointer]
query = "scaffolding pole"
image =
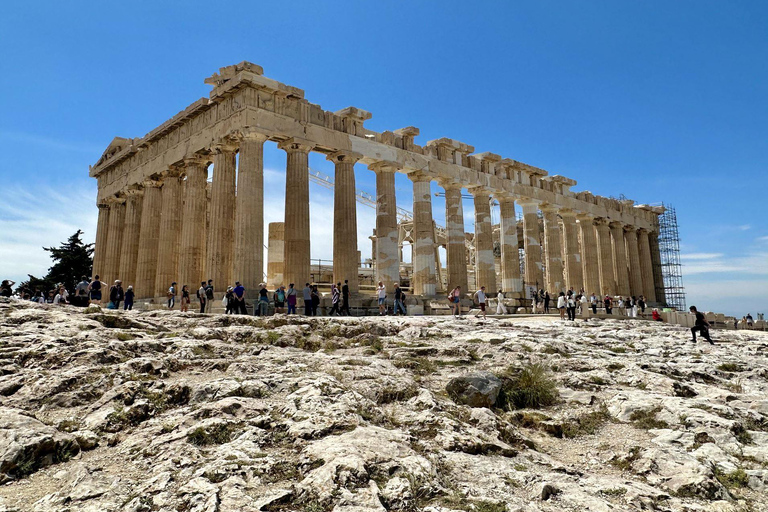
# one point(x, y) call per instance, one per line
point(669, 252)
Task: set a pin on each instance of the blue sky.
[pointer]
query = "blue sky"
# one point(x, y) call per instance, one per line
point(660, 101)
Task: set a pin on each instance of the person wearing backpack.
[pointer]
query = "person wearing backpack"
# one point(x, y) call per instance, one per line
point(201, 296)
point(81, 293)
point(280, 299)
point(209, 296)
point(95, 289)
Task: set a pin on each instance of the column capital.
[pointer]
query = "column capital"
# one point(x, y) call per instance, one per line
point(114, 200)
point(643, 231)
point(250, 135)
point(173, 171)
point(383, 166)
point(629, 227)
point(527, 201)
point(614, 224)
point(343, 156)
point(296, 145)
point(195, 160)
point(478, 190)
point(567, 212)
point(136, 190)
point(419, 177)
point(449, 185)
point(548, 208)
point(102, 206)
point(152, 183)
point(226, 145)
point(585, 217)
point(600, 221)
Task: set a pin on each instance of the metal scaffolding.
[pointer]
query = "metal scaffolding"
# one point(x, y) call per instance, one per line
point(669, 251)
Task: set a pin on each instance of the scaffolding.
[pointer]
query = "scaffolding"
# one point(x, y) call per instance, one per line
point(669, 252)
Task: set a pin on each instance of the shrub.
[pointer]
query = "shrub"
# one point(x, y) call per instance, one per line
point(529, 387)
point(646, 419)
point(218, 433)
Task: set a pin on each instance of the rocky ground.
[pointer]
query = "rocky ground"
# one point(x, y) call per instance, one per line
point(105, 411)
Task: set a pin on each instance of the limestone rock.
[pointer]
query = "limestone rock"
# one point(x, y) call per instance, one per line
point(477, 389)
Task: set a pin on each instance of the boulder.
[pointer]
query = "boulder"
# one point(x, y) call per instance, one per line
point(477, 389)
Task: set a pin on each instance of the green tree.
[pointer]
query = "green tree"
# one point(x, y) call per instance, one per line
point(72, 260)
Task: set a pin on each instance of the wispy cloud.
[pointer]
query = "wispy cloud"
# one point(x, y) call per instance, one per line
point(701, 256)
point(50, 143)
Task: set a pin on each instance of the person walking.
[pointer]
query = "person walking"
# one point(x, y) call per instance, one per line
point(129, 296)
point(561, 305)
point(501, 309)
point(593, 303)
point(95, 289)
point(701, 325)
point(454, 299)
point(184, 298)
point(314, 299)
point(201, 296)
point(345, 298)
point(570, 304)
point(6, 288)
point(229, 301)
point(279, 297)
point(334, 301)
point(750, 320)
point(116, 295)
point(171, 294)
point(381, 296)
point(307, 295)
point(239, 292)
point(546, 301)
point(209, 296)
point(290, 295)
point(641, 304)
point(481, 298)
point(261, 307)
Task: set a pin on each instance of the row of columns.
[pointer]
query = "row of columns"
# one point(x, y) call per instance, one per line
point(156, 233)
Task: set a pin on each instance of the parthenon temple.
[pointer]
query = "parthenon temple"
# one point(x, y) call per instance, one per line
point(161, 221)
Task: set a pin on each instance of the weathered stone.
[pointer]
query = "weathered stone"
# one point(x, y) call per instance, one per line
point(479, 389)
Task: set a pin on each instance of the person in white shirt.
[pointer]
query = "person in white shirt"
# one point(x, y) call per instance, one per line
point(381, 294)
point(480, 296)
point(583, 306)
point(500, 308)
point(561, 305)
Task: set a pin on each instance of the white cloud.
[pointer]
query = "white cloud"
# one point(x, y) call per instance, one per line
point(701, 256)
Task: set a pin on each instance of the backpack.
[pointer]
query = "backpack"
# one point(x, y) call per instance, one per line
point(280, 296)
point(209, 292)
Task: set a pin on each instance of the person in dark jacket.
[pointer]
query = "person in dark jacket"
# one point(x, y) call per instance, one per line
point(345, 299)
point(116, 294)
point(129, 295)
point(701, 325)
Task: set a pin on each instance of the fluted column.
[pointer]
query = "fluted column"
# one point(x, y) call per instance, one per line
point(345, 259)
point(620, 258)
point(424, 272)
point(485, 263)
point(589, 254)
point(455, 249)
point(658, 276)
point(511, 282)
point(297, 253)
point(131, 232)
point(146, 265)
point(646, 265)
point(533, 265)
point(170, 233)
point(102, 235)
point(387, 254)
point(249, 213)
point(276, 254)
point(193, 229)
point(574, 276)
point(553, 250)
point(221, 232)
point(114, 240)
point(633, 257)
point(605, 257)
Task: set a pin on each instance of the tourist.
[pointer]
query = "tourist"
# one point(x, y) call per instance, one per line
point(561, 305)
point(570, 304)
point(583, 305)
point(500, 307)
point(381, 294)
point(201, 296)
point(184, 298)
point(290, 296)
point(608, 303)
point(750, 320)
point(633, 306)
point(736, 324)
point(229, 301)
point(641, 304)
point(263, 304)
point(171, 294)
point(701, 325)
point(402, 302)
point(454, 298)
point(209, 296)
point(50, 297)
point(81, 293)
point(314, 299)
point(622, 309)
point(279, 297)
point(6, 288)
point(239, 293)
point(335, 301)
point(61, 296)
point(307, 294)
point(656, 315)
point(95, 290)
point(129, 296)
point(547, 299)
point(399, 296)
point(116, 295)
point(593, 303)
point(481, 298)
point(345, 298)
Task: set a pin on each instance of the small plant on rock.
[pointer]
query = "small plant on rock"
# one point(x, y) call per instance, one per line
point(530, 387)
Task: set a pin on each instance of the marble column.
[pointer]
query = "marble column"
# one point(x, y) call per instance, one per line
point(387, 252)
point(511, 282)
point(345, 258)
point(424, 272)
point(534, 275)
point(658, 277)
point(620, 258)
point(574, 275)
point(553, 250)
point(633, 257)
point(170, 233)
point(193, 229)
point(146, 265)
point(485, 263)
point(131, 232)
point(249, 214)
point(605, 258)
point(455, 249)
point(102, 235)
point(114, 240)
point(589, 254)
point(276, 254)
point(646, 265)
point(221, 232)
point(297, 253)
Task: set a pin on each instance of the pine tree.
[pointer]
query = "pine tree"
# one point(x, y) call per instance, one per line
point(71, 261)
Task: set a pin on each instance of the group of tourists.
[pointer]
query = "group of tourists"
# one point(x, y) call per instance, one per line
point(87, 291)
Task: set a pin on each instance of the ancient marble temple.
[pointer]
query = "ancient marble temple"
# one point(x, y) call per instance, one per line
point(161, 221)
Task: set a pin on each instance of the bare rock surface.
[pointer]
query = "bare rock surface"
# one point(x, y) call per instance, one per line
point(168, 411)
